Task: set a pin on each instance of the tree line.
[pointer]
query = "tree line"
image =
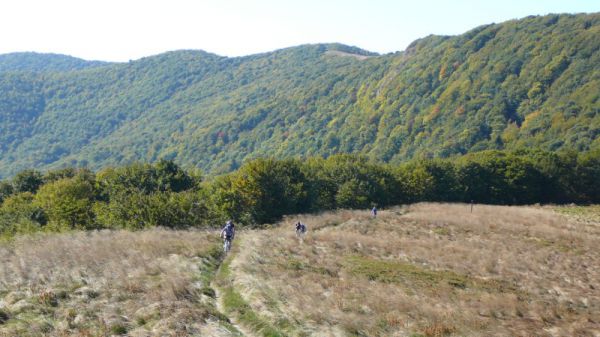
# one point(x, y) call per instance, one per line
point(261, 191)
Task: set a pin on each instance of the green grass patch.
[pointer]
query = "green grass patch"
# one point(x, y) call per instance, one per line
point(410, 274)
point(235, 305)
point(553, 244)
point(442, 231)
point(297, 265)
point(590, 213)
point(394, 272)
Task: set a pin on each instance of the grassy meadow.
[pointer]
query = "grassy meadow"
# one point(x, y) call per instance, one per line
point(427, 270)
point(147, 283)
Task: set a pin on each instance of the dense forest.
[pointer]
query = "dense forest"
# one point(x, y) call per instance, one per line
point(528, 83)
point(261, 191)
point(38, 62)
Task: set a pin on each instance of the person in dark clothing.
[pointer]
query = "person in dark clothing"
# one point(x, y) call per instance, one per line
point(300, 229)
point(228, 234)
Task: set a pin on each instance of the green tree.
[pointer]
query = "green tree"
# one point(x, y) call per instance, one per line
point(19, 215)
point(353, 194)
point(268, 189)
point(374, 182)
point(588, 177)
point(171, 177)
point(225, 203)
point(27, 181)
point(54, 175)
point(474, 180)
point(124, 210)
point(416, 181)
point(429, 180)
point(68, 203)
point(146, 178)
point(6, 189)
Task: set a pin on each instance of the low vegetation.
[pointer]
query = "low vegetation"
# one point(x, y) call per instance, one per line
point(140, 196)
point(236, 307)
point(425, 270)
point(581, 213)
point(147, 283)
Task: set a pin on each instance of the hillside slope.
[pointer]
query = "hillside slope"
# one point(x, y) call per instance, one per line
point(147, 283)
point(39, 62)
point(424, 270)
point(529, 82)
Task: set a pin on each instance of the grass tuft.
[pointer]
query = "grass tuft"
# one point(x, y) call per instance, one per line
point(118, 329)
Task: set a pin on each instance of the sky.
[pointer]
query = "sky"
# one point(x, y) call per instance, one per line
point(122, 30)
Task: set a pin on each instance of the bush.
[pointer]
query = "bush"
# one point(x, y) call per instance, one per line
point(19, 215)
point(263, 190)
point(68, 203)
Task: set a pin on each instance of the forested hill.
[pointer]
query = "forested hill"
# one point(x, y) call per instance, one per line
point(532, 82)
point(37, 62)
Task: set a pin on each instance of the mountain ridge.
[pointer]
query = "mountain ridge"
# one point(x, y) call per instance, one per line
point(43, 62)
point(522, 83)
point(31, 61)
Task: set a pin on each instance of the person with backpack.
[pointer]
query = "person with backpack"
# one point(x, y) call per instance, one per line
point(300, 229)
point(228, 233)
point(374, 212)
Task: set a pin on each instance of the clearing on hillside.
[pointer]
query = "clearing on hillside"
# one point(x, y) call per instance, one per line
point(425, 270)
point(148, 283)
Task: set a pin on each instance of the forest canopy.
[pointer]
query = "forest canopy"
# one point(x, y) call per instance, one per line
point(263, 190)
point(528, 83)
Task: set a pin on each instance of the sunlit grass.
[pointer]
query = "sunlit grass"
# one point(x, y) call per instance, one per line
point(147, 283)
point(425, 270)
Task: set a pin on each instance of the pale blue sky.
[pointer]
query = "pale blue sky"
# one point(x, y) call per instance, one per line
point(120, 30)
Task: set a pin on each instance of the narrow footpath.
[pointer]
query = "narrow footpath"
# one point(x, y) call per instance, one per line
point(240, 329)
point(232, 305)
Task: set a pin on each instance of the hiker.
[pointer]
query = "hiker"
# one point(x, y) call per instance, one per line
point(228, 233)
point(300, 229)
point(374, 212)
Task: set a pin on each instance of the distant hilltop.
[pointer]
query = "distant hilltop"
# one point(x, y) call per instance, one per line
point(42, 62)
point(523, 83)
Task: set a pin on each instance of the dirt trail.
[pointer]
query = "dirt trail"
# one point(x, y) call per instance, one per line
point(241, 330)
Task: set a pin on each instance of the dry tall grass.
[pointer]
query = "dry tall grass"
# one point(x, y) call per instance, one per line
point(146, 283)
point(427, 270)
